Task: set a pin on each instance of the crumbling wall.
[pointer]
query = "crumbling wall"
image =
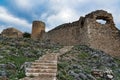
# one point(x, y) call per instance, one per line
point(11, 33)
point(38, 29)
point(106, 36)
point(69, 33)
point(85, 31)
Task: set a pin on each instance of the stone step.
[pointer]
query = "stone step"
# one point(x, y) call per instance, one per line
point(43, 67)
point(30, 70)
point(46, 61)
point(50, 54)
point(41, 74)
point(46, 67)
point(48, 58)
point(44, 64)
point(39, 78)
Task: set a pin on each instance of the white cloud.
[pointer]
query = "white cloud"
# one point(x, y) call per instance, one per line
point(23, 4)
point(5, 16)
point(62, 11)
point(11, 20)
point(28, 5)
point(61, 17)
point(3, 27)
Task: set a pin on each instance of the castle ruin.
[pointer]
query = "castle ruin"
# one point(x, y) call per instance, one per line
point(85, 31)
point(12, 33)
point(38, 29)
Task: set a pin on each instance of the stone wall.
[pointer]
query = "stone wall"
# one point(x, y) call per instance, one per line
point(11, 33)
point(38, 29)
point(85, 31)
point(69, 33)
point(105, 37)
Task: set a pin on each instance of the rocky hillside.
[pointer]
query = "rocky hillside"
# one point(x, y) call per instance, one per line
point(80, 63)
point(16, 54)
point(84, 63)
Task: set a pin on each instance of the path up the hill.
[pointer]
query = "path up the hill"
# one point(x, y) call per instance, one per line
point(45, 68)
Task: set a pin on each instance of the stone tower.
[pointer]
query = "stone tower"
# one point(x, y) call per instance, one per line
point(38, 29)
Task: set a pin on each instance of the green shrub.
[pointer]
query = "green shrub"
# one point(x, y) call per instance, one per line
point(26, 35)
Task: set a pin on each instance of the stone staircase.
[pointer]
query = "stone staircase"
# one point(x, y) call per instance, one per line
point(45, 68)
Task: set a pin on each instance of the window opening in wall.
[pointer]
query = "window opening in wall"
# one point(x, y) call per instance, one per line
point(101, 21)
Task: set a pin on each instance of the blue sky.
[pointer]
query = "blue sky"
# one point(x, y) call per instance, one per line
point(20, 13)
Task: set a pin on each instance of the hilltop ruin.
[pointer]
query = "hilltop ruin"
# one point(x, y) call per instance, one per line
point(38, 29)
point(85, 31)
point(12, 33)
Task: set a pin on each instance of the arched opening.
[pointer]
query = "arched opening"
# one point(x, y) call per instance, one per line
point(101, 21)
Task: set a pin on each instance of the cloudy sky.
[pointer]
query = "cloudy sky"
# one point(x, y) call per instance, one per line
point(21, 13)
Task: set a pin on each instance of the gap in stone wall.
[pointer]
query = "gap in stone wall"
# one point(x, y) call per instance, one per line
point(101, 21)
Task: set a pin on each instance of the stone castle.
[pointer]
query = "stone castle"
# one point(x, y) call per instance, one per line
point(85, 31)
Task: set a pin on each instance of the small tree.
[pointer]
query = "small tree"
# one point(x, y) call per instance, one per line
point(26, 35)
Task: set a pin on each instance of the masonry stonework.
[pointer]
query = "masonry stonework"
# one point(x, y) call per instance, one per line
point(86, 31)
point(105, 37)
point(69, 33)
point(38, 29)
point(11, 33)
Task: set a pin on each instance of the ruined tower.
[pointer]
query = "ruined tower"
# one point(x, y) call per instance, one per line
point(38, 29)
point(105, 37)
